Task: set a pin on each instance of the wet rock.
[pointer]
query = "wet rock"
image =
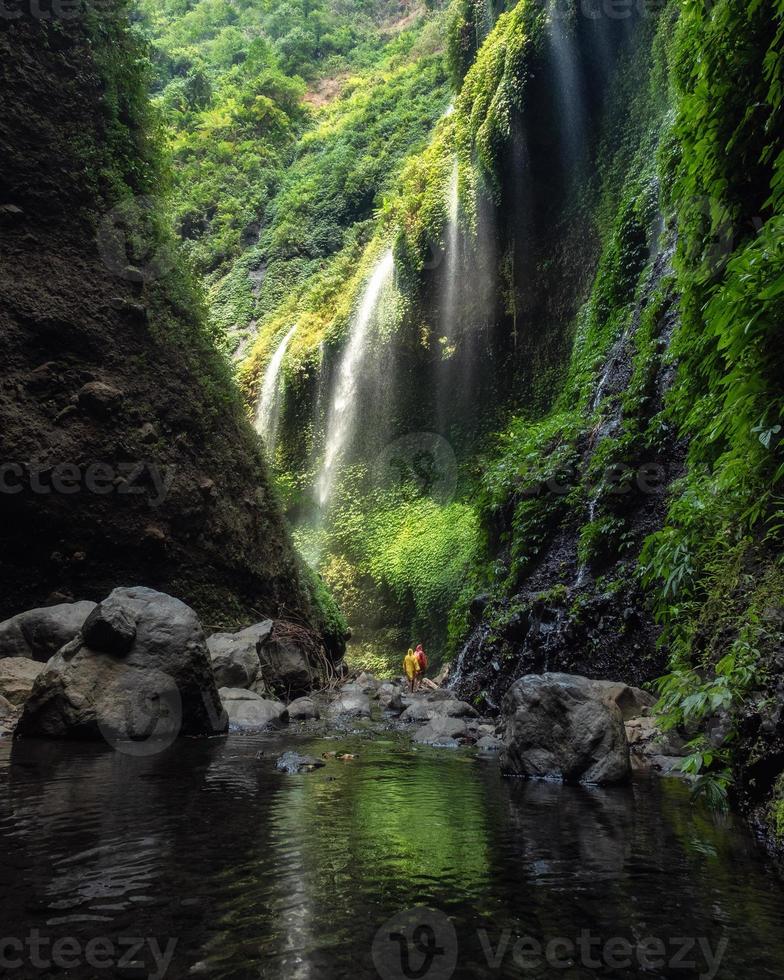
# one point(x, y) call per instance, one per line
point(350, 705)
point(40, 633)
point(99, 398)
point(110, 627)
point(8, 716)
point(440, 695)
point(293, 762)
point(303, 709)
point(17, 677)
point(449, 708)
point(392, 703)
point(442, 731)
point(249, 712)
point(631, 701)
point(477, 608)
point(558, 727)
point(162, 687)
point(235, 656)
point(489, 743)
point(286, 667)
point(367, 683)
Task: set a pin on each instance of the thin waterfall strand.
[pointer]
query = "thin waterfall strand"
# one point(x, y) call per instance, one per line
point(268, 411)
point(342, 414)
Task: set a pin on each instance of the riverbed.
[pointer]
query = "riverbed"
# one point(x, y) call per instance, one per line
point(221, 866)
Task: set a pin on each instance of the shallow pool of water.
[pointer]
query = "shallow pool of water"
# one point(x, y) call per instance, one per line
point(221, 866)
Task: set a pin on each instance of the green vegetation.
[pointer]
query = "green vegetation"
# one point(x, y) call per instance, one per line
point(304, 145)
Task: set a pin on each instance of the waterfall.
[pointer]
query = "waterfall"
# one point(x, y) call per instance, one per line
point(452, 244)
point(268, 411)
point(566, 61)
point(342, 412)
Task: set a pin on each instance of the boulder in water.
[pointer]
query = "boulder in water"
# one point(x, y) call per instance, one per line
point(303, 709)
point(293, 762)
point(162, 687)
point(287, 664)
point(39, 633)
point(557, 726)
point(420, 710)
point(235, 656)
point(249, 712)
point(17, 677)
point(442, 732)
point(350, 705)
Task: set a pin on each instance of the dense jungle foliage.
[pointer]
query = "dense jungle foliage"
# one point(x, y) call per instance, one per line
point(307, 138)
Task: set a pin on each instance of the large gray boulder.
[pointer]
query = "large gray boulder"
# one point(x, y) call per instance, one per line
point(162, 686)
point(286, 667)
point(557, 726)
point(248, 712)
point(39, 633)
point(303, 709)
point(442, 732)
point(350, 704)
point(447, 708)
point(235, 656)
point(17, 677)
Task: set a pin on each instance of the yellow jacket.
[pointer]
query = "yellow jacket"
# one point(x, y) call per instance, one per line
point(411, 665)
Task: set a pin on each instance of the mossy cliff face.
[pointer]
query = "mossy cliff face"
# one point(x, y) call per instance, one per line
point(612, 380)
point(127, 455)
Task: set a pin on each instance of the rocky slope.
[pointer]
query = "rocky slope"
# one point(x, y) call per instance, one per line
point(127, 457)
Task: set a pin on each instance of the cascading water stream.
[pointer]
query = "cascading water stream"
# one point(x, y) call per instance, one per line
point(566, 61)
point(452, 243)
point(342, 415)
point(268, 411)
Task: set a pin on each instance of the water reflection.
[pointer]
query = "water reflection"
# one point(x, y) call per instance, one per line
point(259, 874)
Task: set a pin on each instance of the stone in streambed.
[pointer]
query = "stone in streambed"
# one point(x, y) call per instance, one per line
point(39, 633)
point(420, 710)
point(303, 709)
point(441, 732)
point(235, 656)
point(489, 744)
point(557, 726)
point(249, 712)
point(17, 677)
point(293, 762)
point(350, 705)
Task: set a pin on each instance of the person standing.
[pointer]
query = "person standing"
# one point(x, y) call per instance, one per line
point(421, 657)
point(411, 668)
